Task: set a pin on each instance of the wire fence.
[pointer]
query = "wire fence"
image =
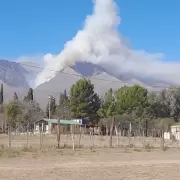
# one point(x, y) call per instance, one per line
point(81, 137)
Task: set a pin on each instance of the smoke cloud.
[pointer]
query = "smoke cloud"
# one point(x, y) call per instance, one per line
point(100, 42)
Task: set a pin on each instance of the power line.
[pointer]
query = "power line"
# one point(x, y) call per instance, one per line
point(79, 75)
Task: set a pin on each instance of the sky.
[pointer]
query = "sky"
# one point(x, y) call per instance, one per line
point(34, 27)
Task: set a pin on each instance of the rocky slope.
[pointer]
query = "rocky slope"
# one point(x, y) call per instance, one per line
point(18, 77)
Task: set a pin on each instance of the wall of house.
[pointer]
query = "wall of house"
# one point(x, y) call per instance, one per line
point(53, 129)
point(175, 131)
point(66, 129)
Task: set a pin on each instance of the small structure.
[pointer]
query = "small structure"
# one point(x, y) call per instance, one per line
point(167, 135)
point(49, 126)
point(175, 131)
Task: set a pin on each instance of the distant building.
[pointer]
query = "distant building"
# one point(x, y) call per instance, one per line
point(49, 126)
point(175, 131)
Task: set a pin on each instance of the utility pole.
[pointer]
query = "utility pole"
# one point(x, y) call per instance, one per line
point(58, 134)
point(49, 107)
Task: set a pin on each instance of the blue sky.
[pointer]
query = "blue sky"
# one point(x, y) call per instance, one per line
point(31, 27)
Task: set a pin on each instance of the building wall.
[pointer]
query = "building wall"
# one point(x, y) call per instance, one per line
point(175, 131)
point(2, 121)
point(64, 129)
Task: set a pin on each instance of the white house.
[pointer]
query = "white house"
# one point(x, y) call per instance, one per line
point(48, 125)
point(175, 131)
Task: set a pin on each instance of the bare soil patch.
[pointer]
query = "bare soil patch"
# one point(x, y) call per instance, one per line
point(103, 164)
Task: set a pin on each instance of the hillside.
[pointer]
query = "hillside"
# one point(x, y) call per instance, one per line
point(18, 77)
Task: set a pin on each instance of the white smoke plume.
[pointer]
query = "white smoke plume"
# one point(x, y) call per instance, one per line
point(99, 42)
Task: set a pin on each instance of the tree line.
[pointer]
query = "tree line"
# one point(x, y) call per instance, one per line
point(17, 112)
point(127, 104)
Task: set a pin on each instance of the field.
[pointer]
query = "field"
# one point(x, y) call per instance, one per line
point(93, 161)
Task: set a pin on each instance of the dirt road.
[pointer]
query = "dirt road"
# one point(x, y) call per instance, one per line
point(86, 165)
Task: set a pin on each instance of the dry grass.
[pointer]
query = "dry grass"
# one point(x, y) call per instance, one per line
point(91, 164)
point(49, 143)
point(86, 142)
point(139, 158)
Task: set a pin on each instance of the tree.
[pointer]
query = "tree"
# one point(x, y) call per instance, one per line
point(31, 112)
point(1, 95)
point(108, 105)
point(52, 107)
point(63, 98)
point(15, 97)
point(84, 102)
point(1, 105)
point(12, 112)
point(29, 96)
point(130, 98)
point(159, 105)
point(172, 98)
point(62, 110)
point(163, 124)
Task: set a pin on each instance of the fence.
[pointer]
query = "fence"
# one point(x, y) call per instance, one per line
point(83, 137)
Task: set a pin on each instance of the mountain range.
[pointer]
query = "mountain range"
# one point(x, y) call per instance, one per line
point(18, 77)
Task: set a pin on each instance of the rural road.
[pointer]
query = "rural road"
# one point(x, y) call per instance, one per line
point(89, 170)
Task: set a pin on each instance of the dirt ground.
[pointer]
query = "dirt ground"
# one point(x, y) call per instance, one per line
point(104, 164)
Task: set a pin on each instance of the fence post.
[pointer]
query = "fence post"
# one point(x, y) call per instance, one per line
point(129, 135)
point(79, 144)
point(9, 135)
point(111, 131)
point(40, 135)
point(72, 135)
point(59, 133)
point(117, 136)
point(27, 137)
point(162, 138)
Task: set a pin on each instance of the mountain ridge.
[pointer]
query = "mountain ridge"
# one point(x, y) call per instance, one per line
point(18, 77)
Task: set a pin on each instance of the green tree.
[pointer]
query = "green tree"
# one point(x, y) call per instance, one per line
point(159, 105)
point(12, 112)
point(131, 98)
point(63, 98)
point(157, 108)
point(132, 101)
point(84, 102)
point(108, 106)
point(172, 98)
